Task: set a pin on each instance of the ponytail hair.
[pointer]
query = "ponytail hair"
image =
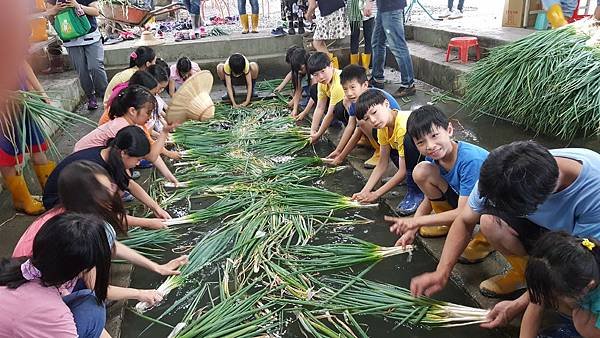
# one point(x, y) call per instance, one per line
point(561, 265)
point(140, 56)
point(134, 96)
point(159, 73)
point(92, 199)
point(298, 58)
point(65, 246)
point(133, 141)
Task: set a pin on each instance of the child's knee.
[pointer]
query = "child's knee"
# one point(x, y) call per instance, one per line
point(424, 171)
point(89, 315)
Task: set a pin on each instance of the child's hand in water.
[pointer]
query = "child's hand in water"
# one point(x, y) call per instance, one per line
point(401, 224)
point(333, 154)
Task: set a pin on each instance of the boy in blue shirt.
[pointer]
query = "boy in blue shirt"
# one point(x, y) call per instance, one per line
point(524, 190)
point(446, 177)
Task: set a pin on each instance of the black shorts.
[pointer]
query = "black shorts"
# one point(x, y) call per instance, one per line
point(411, 154)
point(528, 232)
point(451, 197)
point(340, 113)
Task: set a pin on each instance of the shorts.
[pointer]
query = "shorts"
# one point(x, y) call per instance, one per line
point(451, 197)
point(11, 150)
point(340, 113)
point(527, 231)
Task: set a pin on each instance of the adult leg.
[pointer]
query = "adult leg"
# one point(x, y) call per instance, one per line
point(94, 56)
point(461, 4)
point(289, 7)
point(378, 43)
point(354, 39)
point(365, 58)
point(393, 26)
point(244, 19)
point(254, 5)
point(414, 195)
point(451, 4)
point(89, 316)
point(77, 55)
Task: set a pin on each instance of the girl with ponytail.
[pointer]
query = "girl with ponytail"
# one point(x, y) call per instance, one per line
point(140, 59)
point(563, 273)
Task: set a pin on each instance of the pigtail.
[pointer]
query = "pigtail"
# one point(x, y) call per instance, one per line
point(10, 272)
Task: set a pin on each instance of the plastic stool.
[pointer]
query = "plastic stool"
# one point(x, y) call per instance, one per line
point(463, 44)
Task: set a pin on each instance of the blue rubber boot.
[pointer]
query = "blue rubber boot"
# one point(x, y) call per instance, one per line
point(412, 199)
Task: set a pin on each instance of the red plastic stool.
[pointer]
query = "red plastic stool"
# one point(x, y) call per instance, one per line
point(463, 44)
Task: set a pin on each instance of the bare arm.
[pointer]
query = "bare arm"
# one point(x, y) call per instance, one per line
point(326, 121)
point(532, 319)
point(138, 192)
point(148, 223)
point(285, 81)
point(317, 116)
point(249, 87)
point(380, 168)
point(132, 256)
point(347, 135)
point(161, 166)
point(443, 218)
point(230, 90)
point(585, 323)
point(395, 180)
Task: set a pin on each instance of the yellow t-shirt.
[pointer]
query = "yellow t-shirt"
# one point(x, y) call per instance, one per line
point(396, 140)
point(120, 77)
point(227, 68)
point(333, 91)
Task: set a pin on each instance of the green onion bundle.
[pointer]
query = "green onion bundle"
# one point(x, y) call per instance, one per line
point(547, 82)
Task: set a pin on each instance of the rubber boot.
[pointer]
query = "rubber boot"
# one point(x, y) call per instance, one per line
point(254, 23)
point(365, 60)
point(508, 284)
point(43, 171)
point(477, 250)
point(354, 59)
point(245, 24)
point(555, 16)
point(21, 197)
point(412, 199)
point(334, 61)
point(436, 230)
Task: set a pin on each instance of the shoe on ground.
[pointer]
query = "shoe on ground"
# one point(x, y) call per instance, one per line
point(135, 174)
point(410, 203)
point(92, 104)
point(445, 14)
point(456, 14)
point(301, 30)
point(291, 31)
point(477, 250)
point(406, 91)
point(278, 31)
point(127, 197)
point(372, 162)
point(144, 164)
point(376, 84)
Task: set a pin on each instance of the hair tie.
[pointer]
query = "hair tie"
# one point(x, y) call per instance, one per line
point(588, 244)
point(29, 271)
point(133, 55)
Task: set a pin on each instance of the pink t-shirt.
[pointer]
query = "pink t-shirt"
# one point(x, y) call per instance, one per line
point(24, 247)
point(178, 79)
point(33, 310)
point(99, 136)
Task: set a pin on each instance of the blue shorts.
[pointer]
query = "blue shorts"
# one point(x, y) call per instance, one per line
point(11, 142)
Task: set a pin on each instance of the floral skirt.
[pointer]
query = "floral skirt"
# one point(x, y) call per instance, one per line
point(333, 26)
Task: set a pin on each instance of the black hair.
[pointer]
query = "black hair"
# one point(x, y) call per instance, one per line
point(318, 61)
point(368, 99)
point(237, 63)
point(134, 96)
point(159, 73)
point(422, 121)
point(140, 56)
point(65, 246)
point(289, 52)
point(298, 59)
point(133, 141)
point(353, 72)
point(184, 65)
point(143, 78)
point(560, 265)
point(81, 176)
point(162, 63)
point(517, 177)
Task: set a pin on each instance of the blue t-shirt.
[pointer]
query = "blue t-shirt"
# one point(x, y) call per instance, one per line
point(393, 103)
point(465, 172)
point(575, 210)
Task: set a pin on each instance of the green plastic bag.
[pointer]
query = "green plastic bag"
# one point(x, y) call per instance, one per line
point(70, 26)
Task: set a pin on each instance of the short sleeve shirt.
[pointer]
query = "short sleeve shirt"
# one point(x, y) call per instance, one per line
point(177, 78)
point(332, 91)
point(227, 68)
point(99, 136)
point(395, 139)
point(120, 77)
point(392, 100)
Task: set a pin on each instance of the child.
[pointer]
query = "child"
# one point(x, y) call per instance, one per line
point(133, 106)
point(66, 247)
point(563, 273)
point(98, 196)
point(297, 58)
point(164, 65)
point(121, 153)
point(447, 177)
point(181, 71)
point(391, 134)
point(354, 81)
point(140, 59)
point(162, 77)
point(237, 70)
point(329, 93)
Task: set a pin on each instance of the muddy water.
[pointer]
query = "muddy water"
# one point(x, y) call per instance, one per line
point(396, 270)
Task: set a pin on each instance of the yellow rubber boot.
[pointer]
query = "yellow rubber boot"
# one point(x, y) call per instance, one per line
point(555, 16)
point(254, 23)
point(21, 197)
point(43, 171)
point(354, 59)
point(245, 24)
point(436, 230)
point(372, 162)
point(365, 60)
point(334, 61)
point(477, 250)
point(506, 285)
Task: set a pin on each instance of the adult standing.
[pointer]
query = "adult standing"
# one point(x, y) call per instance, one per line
point(389, 30)
point(332, 24)
point(86, 52)
point(246, 18)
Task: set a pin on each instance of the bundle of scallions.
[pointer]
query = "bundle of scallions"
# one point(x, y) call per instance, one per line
point(547, 82)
